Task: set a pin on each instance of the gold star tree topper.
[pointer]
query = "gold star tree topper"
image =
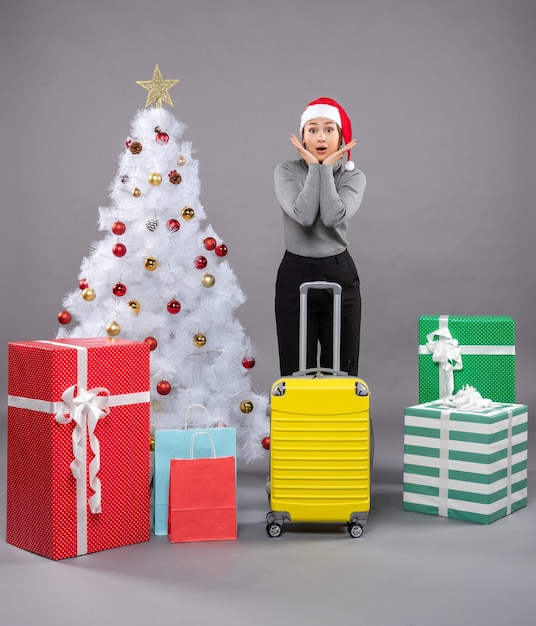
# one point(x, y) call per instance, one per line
point(158, 88)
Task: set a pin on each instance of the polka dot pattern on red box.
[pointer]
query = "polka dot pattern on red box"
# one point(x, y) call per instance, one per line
point(42, 493)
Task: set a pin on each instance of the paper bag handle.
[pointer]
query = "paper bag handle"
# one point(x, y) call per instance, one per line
point(212, 446)
point(199, 406)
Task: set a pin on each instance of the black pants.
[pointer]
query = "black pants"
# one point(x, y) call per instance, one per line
point(295, 270)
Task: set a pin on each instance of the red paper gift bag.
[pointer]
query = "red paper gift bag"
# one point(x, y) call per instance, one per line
point(78, 460)
point(202, 497)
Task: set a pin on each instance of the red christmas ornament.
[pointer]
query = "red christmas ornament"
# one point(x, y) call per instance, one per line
point(118, 228)
point(209, 243)
point(83, 284)
point(162, 138)
point(173, 307)
point(152, 343)
point(200, 262)
point(173, 225)
point(119, 249)
point(266, 443)
point(221, 250)
point(248, 362)
point(64, 317)
point(163, 387)
point(119, 290)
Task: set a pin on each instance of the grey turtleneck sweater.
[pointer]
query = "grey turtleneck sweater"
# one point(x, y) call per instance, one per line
point(317, 202)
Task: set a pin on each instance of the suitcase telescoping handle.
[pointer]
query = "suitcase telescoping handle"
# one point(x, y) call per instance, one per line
point(304, 291)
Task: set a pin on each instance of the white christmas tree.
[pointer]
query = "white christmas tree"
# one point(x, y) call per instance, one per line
point(159, 276)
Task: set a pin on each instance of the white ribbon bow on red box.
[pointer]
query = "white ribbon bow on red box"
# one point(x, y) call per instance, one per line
point(85, 408)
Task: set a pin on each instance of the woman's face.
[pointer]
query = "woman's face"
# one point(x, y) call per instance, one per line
point(321, 137)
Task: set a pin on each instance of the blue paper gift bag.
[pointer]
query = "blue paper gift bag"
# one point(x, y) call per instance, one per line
point(175, 444)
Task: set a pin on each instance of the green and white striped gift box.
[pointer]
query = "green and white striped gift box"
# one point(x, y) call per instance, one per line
point(468, 465)
point(481, 350)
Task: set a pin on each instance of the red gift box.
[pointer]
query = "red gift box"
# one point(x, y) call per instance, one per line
point(78, 454)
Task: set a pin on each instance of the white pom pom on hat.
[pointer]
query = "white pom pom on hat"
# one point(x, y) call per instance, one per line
point(332, 110)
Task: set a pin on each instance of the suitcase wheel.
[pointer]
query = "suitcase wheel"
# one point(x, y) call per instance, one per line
point(273, 529)
point(355, 530)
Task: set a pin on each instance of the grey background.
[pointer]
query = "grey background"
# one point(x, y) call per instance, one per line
point(442, 99)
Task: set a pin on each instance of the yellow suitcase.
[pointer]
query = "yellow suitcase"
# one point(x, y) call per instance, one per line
point(320, 436)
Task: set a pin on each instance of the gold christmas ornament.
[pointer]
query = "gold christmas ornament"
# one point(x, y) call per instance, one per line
point(157, 406)
point(150, 264)
point(113, 329)
point(181, 161)
point(135, 306)
point(188, 213)
point(88, 294)
point(136, 192)
point(152, 441)
point(207, 280)
point(200, 340)
point(155, 179)
point(158, 88)
point(246, 406)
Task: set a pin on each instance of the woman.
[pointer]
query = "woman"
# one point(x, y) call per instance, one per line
point(318, 195)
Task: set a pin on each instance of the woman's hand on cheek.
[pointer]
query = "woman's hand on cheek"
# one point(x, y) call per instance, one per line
point(336, 156)
point(304, 153)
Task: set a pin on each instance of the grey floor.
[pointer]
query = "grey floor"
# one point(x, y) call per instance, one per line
point(406, 569)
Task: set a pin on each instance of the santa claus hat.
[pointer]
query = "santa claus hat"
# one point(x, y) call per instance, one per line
point(332, 110)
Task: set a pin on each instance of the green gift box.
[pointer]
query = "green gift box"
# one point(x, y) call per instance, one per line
point(455, 351)
point(465, 464)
